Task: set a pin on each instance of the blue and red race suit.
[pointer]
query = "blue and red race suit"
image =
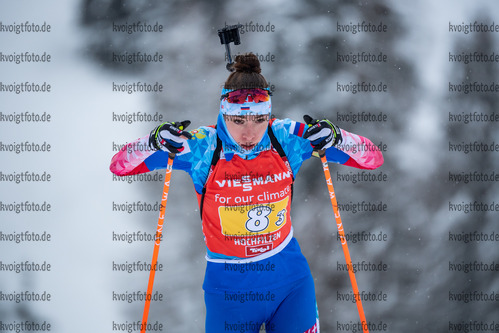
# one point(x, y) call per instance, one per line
point(245, 205)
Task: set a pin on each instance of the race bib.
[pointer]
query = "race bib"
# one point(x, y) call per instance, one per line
point(250, 220)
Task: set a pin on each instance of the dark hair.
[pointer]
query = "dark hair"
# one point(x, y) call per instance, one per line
point(246, 73)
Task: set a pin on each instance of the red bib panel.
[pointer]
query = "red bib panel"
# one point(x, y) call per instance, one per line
point(246, 208)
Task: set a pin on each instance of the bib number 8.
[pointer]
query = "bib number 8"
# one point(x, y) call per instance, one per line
point(258, 218)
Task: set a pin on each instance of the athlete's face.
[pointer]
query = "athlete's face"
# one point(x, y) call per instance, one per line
point(247, 130)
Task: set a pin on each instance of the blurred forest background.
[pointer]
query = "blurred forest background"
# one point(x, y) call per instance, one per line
point(306, 71)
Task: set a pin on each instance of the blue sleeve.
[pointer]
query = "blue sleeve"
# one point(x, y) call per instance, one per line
point(289, 133)
point(136, 157)
point(196, 158)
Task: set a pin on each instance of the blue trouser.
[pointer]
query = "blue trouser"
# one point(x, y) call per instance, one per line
point(288, 309)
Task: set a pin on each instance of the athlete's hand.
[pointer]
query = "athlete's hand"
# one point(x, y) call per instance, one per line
point(322, 133)
point(170, 136)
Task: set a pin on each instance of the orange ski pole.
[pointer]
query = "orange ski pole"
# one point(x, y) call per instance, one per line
point(344, 245)
point(159, 230)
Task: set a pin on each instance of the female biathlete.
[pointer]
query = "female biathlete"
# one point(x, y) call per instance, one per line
point(243, 171)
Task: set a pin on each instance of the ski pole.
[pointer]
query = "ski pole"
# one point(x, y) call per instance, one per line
point(339, 224)
point(157, 240)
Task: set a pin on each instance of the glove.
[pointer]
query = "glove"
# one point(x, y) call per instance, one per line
point(322, 133)
point(170, 136)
